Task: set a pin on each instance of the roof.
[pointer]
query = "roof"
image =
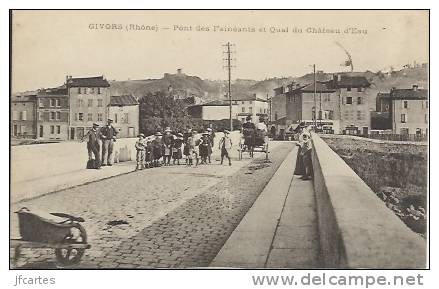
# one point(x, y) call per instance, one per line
point(409, 93)
point(61, 90)
point(383, 95)
point(319, 87)
point(346, 81)
point(123, 100)
point(97, 81)
point(212, 103)
point(246, 97)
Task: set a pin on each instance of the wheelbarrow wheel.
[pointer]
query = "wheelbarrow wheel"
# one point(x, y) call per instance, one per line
point(72, 256)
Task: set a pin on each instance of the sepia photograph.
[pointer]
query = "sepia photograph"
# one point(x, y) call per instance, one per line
point(219, 139)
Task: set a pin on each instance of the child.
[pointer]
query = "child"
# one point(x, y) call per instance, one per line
point(168, 142)
point(157, 149)
point(225, 145)
point(176, 150)
point(140, 155)
point(192, 152)
point(204, 147)
point(148, 154)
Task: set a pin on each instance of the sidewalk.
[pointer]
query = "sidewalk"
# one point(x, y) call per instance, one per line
point(37, 187)
point(279, 230)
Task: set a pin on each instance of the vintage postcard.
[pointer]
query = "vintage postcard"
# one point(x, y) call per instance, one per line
point(290, 139)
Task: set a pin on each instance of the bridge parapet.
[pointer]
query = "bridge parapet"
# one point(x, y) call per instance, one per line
point(356, 229)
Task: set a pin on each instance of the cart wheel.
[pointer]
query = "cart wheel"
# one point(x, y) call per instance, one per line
point(68, 257)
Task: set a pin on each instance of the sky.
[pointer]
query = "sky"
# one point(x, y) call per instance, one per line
point(48, 45)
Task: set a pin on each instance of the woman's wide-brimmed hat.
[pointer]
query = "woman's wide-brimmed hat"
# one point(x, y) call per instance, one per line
point(205, 133)
point(158, 134)
point(140, 135)
point(226, 131)
point(180, 134)
point(168, 129)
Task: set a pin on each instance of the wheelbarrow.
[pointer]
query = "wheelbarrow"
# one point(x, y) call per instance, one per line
point(68, 237)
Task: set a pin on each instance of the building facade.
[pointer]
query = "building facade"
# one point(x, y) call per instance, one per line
point(23, 114)
point(89, 100)
point(52, 118)
point(409, 111)
point(354, 94)
point(213, 110)
point(249, 105)
point(124, 111)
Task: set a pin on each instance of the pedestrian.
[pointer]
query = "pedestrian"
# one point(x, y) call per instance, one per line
point(225, 145)
point(176, 149)
point(192, 152)
point(299, 130)
point(140, 154)
point(212, 141)
point(168, 142)
point(204, 147)
point(108, 134)
point(157, 149)
point(149, 154)
point(305, 148)
point(93, 147)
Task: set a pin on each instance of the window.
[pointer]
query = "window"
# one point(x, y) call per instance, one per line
point(99, 116)
point(331, 114)
point(90, 117)
point(40, 102)
point(349, 100)
point(426, 118)
point(52, 129)
point(359, 114)
point(57, 104)
point(84, 90)
point(115, 118)
point(40, 115)
point(99, 90)
point(359, 89)
point(79, 90)
point(418, 131)
point(52, 115)
point(23, 129)
point(348, 89)
point(404, 131)
point(275, 116)
point(405, 104)
point(403, 118)
point(99, 102)
point(250, 109)
point(58, 129)
point(14, 115)
point(58, 115)
point(80, 116)
point(125, 117)
point(80, 102)
point(90, 103)
point(92, 90)
point(243, 109)
point(242, 102)
point(359, 100)
point(52, 102)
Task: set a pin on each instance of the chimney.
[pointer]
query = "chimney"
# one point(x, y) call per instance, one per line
point(415, 87)
point(179, 71)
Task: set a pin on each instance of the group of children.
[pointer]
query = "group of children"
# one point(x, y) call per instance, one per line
point(160, 150)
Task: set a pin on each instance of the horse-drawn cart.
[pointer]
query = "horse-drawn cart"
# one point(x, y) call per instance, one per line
point(67, 237)
point(253, 140)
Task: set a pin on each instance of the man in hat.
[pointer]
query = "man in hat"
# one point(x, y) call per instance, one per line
point(93, 147)
point(108, 133)
point(168, 142)
point(176, 149)
point(140, 152)
point(225, 145)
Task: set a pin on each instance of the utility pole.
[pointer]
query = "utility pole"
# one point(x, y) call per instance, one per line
point(315, 102)
point(229, 67)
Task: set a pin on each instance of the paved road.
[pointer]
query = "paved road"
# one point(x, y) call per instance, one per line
point(177, 216)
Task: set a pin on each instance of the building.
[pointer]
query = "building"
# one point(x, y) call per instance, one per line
point(249, 105)
point(380, 119)
point(353, 94)
point(89, 103)
point(124, 110)
point(23, 116)
point(52, 120)
point(409, 111)
point(296, 103)
point(213, 110)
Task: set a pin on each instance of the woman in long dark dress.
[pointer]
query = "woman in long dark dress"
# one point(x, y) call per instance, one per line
point(300, 168)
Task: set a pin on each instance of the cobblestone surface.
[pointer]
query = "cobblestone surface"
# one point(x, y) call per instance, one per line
point(177, 217)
